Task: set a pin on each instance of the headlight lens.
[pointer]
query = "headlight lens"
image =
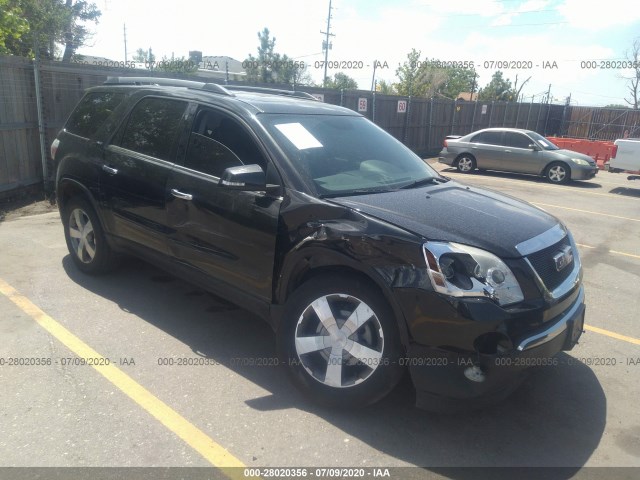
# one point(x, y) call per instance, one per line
point(580, 161)
point(463, 271)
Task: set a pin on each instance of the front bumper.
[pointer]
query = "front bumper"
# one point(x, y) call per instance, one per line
point(583, 173)
point(446, 375)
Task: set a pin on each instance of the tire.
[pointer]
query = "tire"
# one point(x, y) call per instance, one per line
point(326, 368)
point(465, 163)
point(558, 172)
point(85, 238)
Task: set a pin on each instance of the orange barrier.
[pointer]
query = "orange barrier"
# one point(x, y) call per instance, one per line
point(600, 151)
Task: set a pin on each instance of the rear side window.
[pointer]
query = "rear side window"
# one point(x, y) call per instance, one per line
point(153, 127)
point(91, 113)
point(489, 138)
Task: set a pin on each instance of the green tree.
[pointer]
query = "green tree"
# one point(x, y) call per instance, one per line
point(458, 80)
point(76, 33)
point(386, 88)
point(144, 56)
point(498, 89)
point(12, 25)
point(48, 23)
point(342, 81)
point(272, 67)
point(429, 77)
point(408, 73)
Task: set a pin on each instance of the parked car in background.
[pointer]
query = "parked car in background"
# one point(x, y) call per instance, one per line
point(518, 151)
point(626, 158)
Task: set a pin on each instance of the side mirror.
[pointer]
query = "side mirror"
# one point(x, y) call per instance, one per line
point(534, 147)
point(244, 177)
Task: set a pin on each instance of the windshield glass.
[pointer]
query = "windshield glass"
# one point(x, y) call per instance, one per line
point(543, 142)
point(342, 155)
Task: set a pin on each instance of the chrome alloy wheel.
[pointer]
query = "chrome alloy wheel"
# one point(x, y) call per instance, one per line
point(465, 164)
point(339, 340)
point(82, 235)
point(557, 173)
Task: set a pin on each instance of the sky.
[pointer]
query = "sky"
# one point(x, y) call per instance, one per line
point(569, 37)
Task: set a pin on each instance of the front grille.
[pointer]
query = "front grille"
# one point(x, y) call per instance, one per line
point(543, 263)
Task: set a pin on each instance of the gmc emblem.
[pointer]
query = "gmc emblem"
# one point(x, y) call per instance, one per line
point(563, 258)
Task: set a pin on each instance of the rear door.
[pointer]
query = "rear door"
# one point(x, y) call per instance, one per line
point(135, 171)
point(228, 235)
point(487, 148)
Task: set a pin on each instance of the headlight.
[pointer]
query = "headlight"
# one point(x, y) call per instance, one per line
point(580, 161)
point(463, 271)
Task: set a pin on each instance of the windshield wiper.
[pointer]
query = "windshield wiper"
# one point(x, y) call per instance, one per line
point(426, 181)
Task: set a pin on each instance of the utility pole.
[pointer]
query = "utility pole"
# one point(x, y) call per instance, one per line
point(125, 42)
point(373, 79)
point(549, 94)
point(326, 45)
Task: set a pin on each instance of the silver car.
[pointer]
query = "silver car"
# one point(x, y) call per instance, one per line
point(516, 150)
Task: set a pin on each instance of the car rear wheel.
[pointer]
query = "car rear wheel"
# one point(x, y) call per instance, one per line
point(340, 342)
point(558, 173)
point(85, 238)
point(466, 164)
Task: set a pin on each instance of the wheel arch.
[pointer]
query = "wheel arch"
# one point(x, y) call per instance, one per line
point(466, 154)
point(68, 188)
point(321, 262)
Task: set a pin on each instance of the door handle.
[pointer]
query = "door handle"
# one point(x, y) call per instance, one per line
point(181, 195)
point(507, 151)
point(109, 170)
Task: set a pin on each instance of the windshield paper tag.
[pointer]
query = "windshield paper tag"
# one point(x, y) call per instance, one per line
point(299, 136)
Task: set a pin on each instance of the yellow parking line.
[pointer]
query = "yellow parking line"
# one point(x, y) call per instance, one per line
point(625, 254)
point(190, 434)
point(587, 211)
point(611, 334)
point(615, 252)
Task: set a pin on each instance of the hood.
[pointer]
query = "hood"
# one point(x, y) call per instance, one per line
point(457, 213)
point(572, 154)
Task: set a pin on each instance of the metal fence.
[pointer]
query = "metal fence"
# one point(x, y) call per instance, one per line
point(37, 97)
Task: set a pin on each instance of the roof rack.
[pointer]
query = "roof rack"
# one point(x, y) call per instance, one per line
point(271, 91)
point(168, 82)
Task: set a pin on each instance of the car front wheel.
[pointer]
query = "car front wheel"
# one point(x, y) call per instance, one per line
point(340, 342)
point(558, 173)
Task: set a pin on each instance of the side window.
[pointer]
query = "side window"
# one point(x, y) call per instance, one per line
point(92, 111)
point(218, 142)
point(488, 138)
point(516, 140)
point(153, 127)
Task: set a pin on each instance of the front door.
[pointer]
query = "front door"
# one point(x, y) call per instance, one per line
point(229, 235)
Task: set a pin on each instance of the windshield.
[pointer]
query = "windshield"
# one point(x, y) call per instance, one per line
point(543, 142)
point(343, 155)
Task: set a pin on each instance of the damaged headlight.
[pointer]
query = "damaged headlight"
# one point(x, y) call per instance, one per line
point(463, 271)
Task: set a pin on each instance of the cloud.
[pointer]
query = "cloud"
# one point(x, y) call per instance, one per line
point(592, 16)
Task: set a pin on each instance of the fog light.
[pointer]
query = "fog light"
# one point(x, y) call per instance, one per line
point(475, 374)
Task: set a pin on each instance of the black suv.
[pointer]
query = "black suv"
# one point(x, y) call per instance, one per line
point(363, 259)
